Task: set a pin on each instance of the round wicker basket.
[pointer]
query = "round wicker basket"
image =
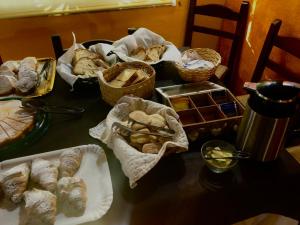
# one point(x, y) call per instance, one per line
point(143, 89)
point(200, 74)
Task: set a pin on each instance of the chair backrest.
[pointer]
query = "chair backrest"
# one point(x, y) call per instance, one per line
point(290, 45)
point(223, 12)
point(59, 50)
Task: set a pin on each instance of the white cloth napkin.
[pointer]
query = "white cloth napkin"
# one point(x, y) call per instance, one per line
point(136, 164)
point(192, 60)
point(64, 63)
point(144, 38)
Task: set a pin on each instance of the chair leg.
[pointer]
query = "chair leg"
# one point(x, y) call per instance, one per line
point(57, 46)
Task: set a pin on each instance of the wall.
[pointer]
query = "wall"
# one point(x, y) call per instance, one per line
point(204, 40)
point(31, 36)
point(262, 13)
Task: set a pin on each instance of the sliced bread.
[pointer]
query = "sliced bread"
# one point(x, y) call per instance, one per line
point(85, 66)
point(85, 53)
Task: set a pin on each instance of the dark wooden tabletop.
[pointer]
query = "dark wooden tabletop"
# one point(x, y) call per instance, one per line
point(179, 190)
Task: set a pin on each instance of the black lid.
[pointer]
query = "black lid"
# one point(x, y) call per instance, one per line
point(274, 99)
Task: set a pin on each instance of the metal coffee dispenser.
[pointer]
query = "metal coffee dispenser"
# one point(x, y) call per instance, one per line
point(267, 117)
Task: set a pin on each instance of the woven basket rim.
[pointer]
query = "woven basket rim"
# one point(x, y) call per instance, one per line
point(202, 69)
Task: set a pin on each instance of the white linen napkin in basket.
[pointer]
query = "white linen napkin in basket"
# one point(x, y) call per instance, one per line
point(144, 38)
point(64, 63)
point(136, 164)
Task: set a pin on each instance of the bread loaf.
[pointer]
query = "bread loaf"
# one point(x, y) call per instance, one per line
point(85, 66)
point(85, 53)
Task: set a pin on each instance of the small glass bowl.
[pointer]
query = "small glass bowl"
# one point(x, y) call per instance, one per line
point(222, 148)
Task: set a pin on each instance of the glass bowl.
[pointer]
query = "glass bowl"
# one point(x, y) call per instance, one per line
point(218, 149)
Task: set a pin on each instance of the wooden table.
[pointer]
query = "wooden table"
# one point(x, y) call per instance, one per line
point(180, 190)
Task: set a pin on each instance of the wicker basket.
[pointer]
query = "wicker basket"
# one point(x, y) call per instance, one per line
point(143, 89)
point(200, 74)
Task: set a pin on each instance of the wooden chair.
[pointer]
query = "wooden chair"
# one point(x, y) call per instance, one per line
point(290, 45)
point(287, 44)
point(59, 50)
point(220, 11)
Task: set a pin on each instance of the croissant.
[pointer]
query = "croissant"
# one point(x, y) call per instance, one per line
point(72, 195)
point(14, 182)
point(45, 174)
point(69, 162)
point(40, 207)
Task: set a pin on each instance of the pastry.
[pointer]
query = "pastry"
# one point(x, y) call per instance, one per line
point(40, 207)
point(14, 121)
point(44, 173)
point(14, 182)
point(27, 75)
point(6, 86)
point(72, 195)
point(69, 162)
point(11, 66)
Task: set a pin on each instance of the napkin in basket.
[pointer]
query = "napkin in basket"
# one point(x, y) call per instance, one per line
point(144, 38)
point(64, 63)
point(136, 164)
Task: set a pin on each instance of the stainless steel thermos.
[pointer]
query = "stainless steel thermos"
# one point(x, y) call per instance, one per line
point(266, 119)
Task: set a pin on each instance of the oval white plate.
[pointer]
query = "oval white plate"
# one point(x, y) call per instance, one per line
point(93, 170)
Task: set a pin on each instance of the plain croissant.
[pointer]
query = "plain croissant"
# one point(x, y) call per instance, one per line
point(45, 174)
point(72, 195)
point(70, 161)
point(14, 182)
point(40, 207)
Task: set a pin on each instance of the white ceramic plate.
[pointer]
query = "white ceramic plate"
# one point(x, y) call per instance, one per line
point(94, 171)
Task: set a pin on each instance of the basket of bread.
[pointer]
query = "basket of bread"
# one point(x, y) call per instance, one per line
point(81, 65)
point(128, 78)
point(198, 64)
point(145, 46)
point(140, 132)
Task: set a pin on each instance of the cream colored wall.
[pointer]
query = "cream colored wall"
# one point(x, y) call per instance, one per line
point(203, 40)
point(31, 36)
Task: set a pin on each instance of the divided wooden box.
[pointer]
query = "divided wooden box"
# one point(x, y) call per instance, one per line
point(213, 111)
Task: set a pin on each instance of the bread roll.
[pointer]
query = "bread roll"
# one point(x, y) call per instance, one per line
point(151, 148)
point(139, 116)
point(157, 120)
